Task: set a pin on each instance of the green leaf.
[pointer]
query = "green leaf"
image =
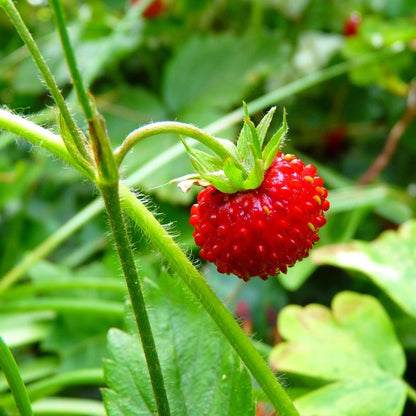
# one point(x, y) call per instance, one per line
point(264, 125)
point(383, 396)
point(203, 374)
point(388, 261)
point(352, 346)
point(269, 152)
point(216, 71)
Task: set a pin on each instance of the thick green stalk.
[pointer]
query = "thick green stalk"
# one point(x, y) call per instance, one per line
point(17, 387)
point(56, 6)
point(77, 144)
point(203, 292)
point(112, 203)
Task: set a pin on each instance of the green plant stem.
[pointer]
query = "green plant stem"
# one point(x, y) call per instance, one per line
point(63, 406)
point(27, 38)
point(52, 384)
point(110, 195)
point(17, 387)
point(219, 146)
point(74, 305)
point(46, 286)
point(56, 6)
point(182, 266)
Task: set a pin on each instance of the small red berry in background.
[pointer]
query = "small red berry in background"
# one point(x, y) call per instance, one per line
point(155, 9)
point(261, 232)
point(351, 24)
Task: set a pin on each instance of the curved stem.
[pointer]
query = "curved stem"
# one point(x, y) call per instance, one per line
point(223, 148)
point(213, 305)
point(17, 387)
point(27, 38)
point(112, 203)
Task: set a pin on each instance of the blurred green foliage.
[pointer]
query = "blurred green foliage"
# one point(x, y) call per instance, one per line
point(197, 62)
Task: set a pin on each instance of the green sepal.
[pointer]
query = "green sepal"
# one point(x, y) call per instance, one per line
point(274, 144)
point(256, 176)
point(233, 173)
point(238, 167)
point(264, 125)
point(248, 144)
point(202, 161)
point(220, 181)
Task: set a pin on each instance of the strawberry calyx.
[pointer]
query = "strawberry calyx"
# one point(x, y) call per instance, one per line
point(244, 165)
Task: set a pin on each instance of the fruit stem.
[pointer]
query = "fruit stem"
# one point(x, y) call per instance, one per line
point(14, 378)
point(223, 148)
point(80, 151)
point(184, 269)
point(110, 193)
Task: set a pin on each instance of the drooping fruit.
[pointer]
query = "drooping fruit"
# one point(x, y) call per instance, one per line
point(263, 231)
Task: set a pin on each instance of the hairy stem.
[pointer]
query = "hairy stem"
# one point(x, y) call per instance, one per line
point(17, 387)
point(112, 204)
point(223, 148)
point(203, 292)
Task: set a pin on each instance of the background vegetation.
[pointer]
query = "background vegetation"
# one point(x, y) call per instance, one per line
point(348, 89)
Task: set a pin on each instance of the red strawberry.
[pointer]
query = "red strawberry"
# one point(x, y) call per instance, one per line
point(262, 231)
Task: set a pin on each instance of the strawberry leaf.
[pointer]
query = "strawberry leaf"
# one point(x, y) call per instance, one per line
point(352, 348)
point(203, 374)
point(273, 146)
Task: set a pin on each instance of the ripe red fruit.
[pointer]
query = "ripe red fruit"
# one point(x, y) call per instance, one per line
point(263, 231)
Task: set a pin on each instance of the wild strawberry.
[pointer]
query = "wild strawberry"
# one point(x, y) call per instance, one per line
point(261, 209)
point(263, 231)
